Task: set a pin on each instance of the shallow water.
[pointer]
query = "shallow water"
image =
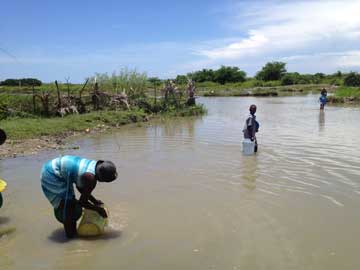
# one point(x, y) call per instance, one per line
point(187, 198)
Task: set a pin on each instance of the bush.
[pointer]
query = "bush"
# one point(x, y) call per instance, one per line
point(181, 79)
point(223, 75)
point(205, 75)
point(352, 79)
point(229, 74)
point(272, 71)
point(290, 78)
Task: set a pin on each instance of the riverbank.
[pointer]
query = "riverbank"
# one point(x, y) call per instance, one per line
point(347, 95)
point(238, 90)
point(31, 135)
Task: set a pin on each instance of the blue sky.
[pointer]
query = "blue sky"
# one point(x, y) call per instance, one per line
point(56, 39)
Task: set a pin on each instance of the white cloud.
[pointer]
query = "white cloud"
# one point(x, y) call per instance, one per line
point(350, 60)
point(310, 36)
point(237, 49)
point(287, 29)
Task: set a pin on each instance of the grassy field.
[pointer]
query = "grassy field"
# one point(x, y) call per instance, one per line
point(346, 95)
point(28, 128)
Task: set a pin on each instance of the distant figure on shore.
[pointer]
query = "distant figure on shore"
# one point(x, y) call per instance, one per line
point(58, 177)
point(323, 98)
point(251, 126)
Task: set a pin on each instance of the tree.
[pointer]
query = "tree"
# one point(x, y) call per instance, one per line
point(352, 79)
point(322, 75)
point(205, 75)
point(181, 79)
point(272, 71)
point(229, 74)
point(290, 78)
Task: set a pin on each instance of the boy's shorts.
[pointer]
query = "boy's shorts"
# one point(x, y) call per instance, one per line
point(59, 212)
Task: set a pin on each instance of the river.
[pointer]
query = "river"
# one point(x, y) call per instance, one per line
point(186, 197)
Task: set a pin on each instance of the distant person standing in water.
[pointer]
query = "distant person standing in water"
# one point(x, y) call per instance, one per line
point(58, 177)
point(251, 126)
point(323, 98)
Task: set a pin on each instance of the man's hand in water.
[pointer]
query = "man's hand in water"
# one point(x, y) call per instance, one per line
point(102, 212)
point(98, 202)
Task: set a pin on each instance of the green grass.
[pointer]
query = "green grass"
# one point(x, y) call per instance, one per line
point(239, 90)
point(186, 111)
point(28, 128)
point(346, 95)
point(348, 92)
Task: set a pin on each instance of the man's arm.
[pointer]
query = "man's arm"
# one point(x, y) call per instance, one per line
point(95, 201)
point(88, 183)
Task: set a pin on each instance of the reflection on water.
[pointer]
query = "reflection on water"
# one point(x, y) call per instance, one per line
point(249, 169)
point(187, 198)
point(321, 120)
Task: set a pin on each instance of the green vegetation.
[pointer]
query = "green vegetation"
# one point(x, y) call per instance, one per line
point(29, 112)
point(272, 80)
point(131, 81)
point(346, 95)
point(352, 79)
point(273, 74)
point(27, 128)
point(21, 82)
point(223, 75)
point(274, 90)
point(272, 71)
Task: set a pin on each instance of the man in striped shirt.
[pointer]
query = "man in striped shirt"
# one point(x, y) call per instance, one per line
point(58, 177)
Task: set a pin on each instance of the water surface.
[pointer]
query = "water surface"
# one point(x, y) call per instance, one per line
point(187, 198)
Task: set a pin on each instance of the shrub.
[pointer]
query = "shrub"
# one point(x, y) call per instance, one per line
point(272, 71)
point(352, 79)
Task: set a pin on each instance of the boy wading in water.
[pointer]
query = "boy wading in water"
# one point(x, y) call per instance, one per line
point(323, 99)
point(251, 126)
point(58, 177)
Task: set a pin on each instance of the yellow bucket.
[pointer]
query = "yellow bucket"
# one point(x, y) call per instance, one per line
point(92, 224)
point(2, 185)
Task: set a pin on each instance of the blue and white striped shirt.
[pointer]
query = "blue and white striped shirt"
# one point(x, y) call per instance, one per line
point(59, 175)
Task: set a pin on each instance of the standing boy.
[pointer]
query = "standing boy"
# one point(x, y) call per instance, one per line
point(323, 98)
point(251, 126)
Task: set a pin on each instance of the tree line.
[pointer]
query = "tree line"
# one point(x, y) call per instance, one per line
point(21, 82)
point(272, 71)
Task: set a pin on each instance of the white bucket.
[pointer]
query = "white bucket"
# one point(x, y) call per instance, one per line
point(248, 147)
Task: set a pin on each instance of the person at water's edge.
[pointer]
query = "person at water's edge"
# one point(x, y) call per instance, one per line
point(58, 177)
point(251, 126)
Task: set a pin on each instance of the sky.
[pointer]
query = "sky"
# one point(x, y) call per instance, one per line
point(54, 40)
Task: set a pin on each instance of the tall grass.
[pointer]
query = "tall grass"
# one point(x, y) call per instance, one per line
point(348, 92)
point(131, 81)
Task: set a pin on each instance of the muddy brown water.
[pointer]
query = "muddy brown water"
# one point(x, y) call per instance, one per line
point(187, 198)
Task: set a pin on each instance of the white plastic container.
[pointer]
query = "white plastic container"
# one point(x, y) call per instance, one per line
point(248, 147)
